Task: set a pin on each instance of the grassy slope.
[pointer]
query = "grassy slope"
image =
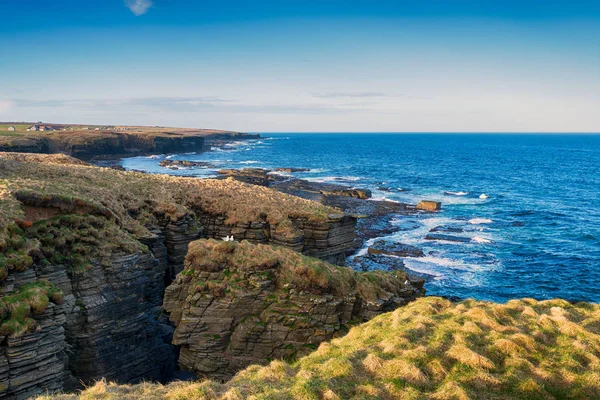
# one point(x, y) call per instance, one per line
point(129, 194)
point(303, 273)
point(430, 349)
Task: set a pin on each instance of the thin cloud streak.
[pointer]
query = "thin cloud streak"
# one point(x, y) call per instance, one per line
point(337, 95)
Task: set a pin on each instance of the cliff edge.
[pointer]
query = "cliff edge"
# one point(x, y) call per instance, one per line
point(237, 304)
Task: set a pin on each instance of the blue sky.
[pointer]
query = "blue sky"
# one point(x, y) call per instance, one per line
point(402, 66)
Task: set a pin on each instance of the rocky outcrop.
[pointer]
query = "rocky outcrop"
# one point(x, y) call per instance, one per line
point(176, 164)
point(448, 238)
point(331, 240)
point(362, 194)
point(254, 176)
point(237, 304)
point(395, 249)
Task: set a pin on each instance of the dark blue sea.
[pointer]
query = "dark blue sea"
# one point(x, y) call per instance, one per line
point(530, 204)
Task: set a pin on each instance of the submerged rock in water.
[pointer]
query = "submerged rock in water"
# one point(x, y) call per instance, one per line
point(395, 249)
point(446, 228)
point(449, 238)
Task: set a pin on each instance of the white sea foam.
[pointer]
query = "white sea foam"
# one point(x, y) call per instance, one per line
point(171, 156)
point(457, 193)
point(324, 179)
point(249, 162)
point(281, 173)
point(479, 221)
point(479, 239)
point(483, 196)
point(379, 197)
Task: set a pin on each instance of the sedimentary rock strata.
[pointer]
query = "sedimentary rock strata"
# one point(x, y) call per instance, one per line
point(110, 242)
point(237, 304)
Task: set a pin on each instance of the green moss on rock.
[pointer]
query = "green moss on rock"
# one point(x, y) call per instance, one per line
point(17, 310)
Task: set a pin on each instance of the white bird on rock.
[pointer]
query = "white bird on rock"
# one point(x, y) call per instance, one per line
point(228, 238)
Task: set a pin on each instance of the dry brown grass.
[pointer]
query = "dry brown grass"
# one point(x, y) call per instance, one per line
point(430, 349)
point(293, 269)
point(59, 159)
point(136, 198)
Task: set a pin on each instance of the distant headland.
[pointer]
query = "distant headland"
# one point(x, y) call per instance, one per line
point(91, 141)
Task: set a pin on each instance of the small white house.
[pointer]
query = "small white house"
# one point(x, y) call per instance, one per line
point(33, 128)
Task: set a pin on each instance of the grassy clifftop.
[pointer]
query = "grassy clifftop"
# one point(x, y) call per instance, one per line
point(56, 210)
point(134, 199)
point(430, 349)
point(303, 273)
point(92, 141)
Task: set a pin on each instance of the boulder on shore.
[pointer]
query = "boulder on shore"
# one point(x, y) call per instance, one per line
point(428, 205)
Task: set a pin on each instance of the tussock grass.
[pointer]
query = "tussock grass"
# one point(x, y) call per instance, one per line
point(430, 349)
point(136, 199)
point(17, 310)
point(293, 269)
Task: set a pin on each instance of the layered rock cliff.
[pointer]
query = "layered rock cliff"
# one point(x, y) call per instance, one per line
point(109, 242)
point(86, 144)
point(237, 304)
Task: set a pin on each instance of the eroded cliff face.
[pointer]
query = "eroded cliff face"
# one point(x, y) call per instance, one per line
point(331, 240)
point(237, 304)
point(107, 325)
point(104, 244)
point(110, 323)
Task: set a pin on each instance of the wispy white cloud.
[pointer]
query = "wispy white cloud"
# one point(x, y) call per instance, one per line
point(138, 7)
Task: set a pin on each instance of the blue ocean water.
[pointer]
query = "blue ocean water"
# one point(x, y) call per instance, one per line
point(537, 234)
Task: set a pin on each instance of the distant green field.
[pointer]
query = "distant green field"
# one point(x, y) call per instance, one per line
point(18, 127)
point(10, 133)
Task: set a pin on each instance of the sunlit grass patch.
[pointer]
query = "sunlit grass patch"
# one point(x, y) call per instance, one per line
point(459, 356)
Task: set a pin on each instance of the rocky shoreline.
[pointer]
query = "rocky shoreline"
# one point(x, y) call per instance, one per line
point(114, 245)
point(374, 217)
